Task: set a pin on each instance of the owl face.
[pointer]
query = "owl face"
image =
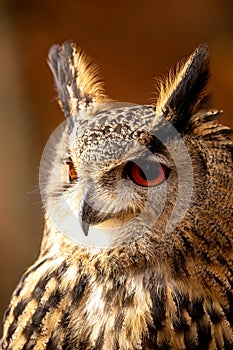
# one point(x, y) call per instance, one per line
point(118, 172)
point(119, 177)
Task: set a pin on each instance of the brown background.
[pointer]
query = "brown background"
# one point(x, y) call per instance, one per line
point(133, 41)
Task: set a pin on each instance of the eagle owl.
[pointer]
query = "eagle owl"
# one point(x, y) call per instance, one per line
point(137, 244)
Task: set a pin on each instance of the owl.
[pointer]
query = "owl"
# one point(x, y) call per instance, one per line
point(137, 244)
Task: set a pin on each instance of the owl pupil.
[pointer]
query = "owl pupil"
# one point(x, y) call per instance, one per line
point(142, 174)
point(151, 171)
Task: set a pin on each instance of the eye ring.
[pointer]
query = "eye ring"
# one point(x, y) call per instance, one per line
point(149, 174)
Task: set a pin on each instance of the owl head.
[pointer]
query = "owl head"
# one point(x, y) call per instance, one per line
point(115, 173)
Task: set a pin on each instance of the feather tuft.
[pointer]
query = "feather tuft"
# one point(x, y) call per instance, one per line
point(77, 78)
point(182, 93)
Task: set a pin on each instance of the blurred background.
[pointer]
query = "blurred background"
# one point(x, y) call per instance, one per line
point(133, 42)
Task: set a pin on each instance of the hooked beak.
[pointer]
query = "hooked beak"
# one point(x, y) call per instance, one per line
point(89, 216)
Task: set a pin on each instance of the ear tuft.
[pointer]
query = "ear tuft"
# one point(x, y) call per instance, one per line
point(77, 78)
point(182, 93)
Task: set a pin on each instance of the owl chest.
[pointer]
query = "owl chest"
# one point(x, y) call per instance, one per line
point(130, 316)
point(113, 315)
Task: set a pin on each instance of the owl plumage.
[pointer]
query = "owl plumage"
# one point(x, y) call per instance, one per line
point(137, 245)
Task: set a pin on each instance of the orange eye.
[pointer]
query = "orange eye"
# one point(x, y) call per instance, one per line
point(72, 171)
point(148, 175)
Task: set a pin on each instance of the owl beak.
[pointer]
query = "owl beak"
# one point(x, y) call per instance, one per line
point(84, 218)
point(85, 227)
point(88, 216)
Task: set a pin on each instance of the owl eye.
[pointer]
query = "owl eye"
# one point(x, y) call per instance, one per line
point(148, 174)
point(72, 172)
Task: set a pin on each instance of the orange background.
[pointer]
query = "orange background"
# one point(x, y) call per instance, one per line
point(133, 42)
